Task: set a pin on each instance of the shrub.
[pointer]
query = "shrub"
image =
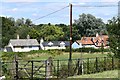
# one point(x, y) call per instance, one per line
point(88, 50)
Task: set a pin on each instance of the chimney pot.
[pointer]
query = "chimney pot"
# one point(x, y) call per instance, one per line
point(17, 36)
point(28, 36)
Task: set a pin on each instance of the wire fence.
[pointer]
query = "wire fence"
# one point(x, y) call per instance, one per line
point(37, 69)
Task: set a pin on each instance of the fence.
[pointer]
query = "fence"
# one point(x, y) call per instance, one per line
point(50, 68)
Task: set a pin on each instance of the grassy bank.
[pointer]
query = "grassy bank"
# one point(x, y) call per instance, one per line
point(105, 74)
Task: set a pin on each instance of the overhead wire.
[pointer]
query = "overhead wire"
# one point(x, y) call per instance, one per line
point(95, 5)
point(51, 13)
point(75, 6)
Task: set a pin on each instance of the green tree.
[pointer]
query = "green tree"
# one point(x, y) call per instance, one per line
point(66, 30)
point(89, 25)
point(51, 32)
point(28, 22)
point(19, 22)
point(8, 30)
point(34, 34)
point(113, 28)
point(23, 31)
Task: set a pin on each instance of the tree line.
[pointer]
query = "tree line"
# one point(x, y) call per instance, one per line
point(85, 25)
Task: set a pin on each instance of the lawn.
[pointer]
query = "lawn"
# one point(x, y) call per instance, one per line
point(105, 74)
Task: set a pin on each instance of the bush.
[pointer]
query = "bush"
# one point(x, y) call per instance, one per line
point(88, 50)
point(65, 71)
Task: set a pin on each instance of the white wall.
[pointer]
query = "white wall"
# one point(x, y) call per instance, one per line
point(89, 46)
point(25, 49)
point(54, 47)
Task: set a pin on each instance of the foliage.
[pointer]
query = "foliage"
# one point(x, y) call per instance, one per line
point(23, 31)
point(34, 34)
point(89, 25)
point(55, 52)
point(51, 32)
point(65, 70)
point(114, 35)
point(19, 22)
point(88, 50)
point(66, 30)
point(28, 22)
point(8, 30)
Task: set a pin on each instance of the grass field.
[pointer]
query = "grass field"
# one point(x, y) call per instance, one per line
point(105, 74)
point(66, 56)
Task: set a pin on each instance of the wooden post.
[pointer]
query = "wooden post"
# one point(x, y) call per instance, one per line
point(104, 63)
point(96, 64)
point(88, 66)
point(32, 71)
point(49, 64)
point(57, 68)
point(16, 70)
point(112, 63)
point(78, 66)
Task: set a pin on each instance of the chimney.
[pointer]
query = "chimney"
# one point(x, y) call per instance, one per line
point(97, 34)
point(28, 36)
point(17, 36)
point(41, 40)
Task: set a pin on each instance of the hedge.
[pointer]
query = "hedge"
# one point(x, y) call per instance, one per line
point(88, 50)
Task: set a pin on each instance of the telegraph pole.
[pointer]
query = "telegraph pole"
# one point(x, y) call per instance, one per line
point(70, 55)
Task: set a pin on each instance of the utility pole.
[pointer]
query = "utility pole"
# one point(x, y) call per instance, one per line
point(70, 55)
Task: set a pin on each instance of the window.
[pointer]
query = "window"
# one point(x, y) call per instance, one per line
point(62, 44)
point(30, 46)
point(50, 44)
point(22, 47)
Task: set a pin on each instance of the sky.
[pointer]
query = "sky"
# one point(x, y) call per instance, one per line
point(35, 9)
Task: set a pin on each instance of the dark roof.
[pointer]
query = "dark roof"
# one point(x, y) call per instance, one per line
point(24, 42)
point(56, 43)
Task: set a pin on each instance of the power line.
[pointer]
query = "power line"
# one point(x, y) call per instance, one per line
point(95, 5)
point(51, 13)
point(76, 6)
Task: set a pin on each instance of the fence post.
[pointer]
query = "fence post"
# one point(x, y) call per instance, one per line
point(104, 63)
point(78, 66)
point(96, 64)
point(16, 70)
point(112, 62)
point(49, 65)
point(46, 69)
point(69, 65)
point(57, 68)
point(32, 71)
point(88, 66)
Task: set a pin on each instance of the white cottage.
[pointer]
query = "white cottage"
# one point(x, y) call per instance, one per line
point(54, 44)
point(22, 45)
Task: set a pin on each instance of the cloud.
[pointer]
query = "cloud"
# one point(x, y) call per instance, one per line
point(106, 14)
point(34, 14)
point(14, 9)
point(5, 15)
